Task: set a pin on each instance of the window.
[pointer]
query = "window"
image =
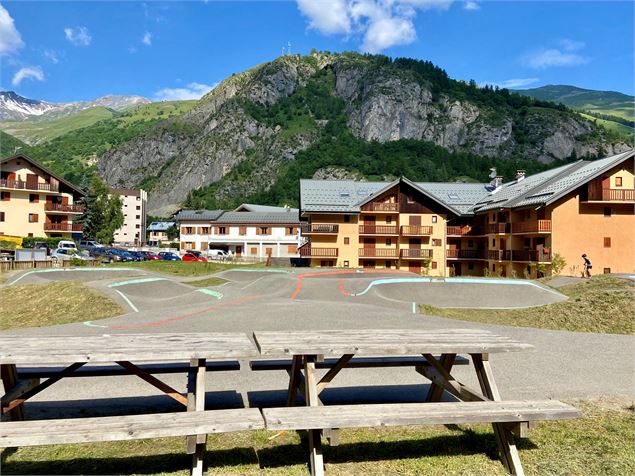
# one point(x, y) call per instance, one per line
point(34, 198)
point(30, 235)
point(434, 265)
point(268, 251)
point(607, 211)
point(137, 226)
point(254, 251)
point(1, 216)
point(138, 207)
point(138, 217)
point(292, 248)
point(33, 218)
point(436, 242)
point(5, 196)
point(494, 267)
point(222, 230)
point(346, 264)
point(618, 181)
point(388, 220)
point(388, 242)
point(607, 270)
point(493, 242)
point(607, 242)
point(291, 230)
point(138, 199)
point(188, 230)
point(434, 218)
point(347, 240)
point(242, 230)
point(347, 218)
point(388, 264)
point(470, 266)
point(410, 199)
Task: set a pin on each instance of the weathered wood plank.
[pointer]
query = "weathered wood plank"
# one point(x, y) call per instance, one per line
point(294, 380)
point(199, 406)
point(435, 392)
point(108, 348)
point(383, 342)
point(9, 377)
point(129, 427)
point(315, 435)
point(155, 382)
point(354, 363)
point(440, 413)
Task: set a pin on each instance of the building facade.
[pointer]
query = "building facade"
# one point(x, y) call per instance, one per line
point(249, 231)
point(157, 232)
point(134, 216)
point(36, 202)
point(523, 228)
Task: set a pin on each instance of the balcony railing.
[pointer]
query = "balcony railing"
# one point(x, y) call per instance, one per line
point(378, 253)
point(531, 255)
point(416, 253)
point(378, 230)
point(21, 185)
point(535, 226)
point(612, 195)
point(464, 230)
point(499, 255)
point(497, 228)
point(465, 254)
point(318, 252)
point(411, 230)
point(382, 207)
point(320, 228)
point(58, 207)
point(64, 227)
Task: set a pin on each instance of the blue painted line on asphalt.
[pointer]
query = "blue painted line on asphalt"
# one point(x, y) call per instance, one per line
point(211, 292)
point(135, 281)
point(414, 307)
point(132, 306)
point(68, 269)
point(90, 324)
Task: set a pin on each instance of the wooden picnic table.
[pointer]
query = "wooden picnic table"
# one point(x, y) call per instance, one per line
point(122, 349)
point(307, 347)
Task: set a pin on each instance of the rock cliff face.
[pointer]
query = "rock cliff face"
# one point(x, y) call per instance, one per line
point(204, 145)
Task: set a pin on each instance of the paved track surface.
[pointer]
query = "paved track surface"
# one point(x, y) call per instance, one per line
point(564, 365)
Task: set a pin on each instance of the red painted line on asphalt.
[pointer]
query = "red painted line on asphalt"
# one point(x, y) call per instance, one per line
point(190, 314)
point(342, 290)
point(298, 286)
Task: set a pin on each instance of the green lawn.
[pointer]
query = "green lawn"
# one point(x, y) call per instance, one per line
point(62, 302)
point(203, 283)
point(603, 304)
point(185, 268)
point(599, 444)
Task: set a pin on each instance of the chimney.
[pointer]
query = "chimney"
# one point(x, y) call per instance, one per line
point(520, 175)
point(499, 181)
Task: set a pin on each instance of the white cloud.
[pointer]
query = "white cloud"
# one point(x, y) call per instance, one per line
point(147, 38)
point(471, 5)
point(546, 58)
point(191, 91)
point(572, 45)
point(512, 83)
point(52, 56)
point(78, 36)
point(132, 50)
point(28, 72)
point(10, 39)
point(380, 24)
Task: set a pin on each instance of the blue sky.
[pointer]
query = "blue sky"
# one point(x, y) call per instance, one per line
point(68, 51)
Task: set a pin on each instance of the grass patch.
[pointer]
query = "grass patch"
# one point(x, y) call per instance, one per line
point(40, 305)
point(203, 283)
point(599, 444)
point(184, 268)
point(603, 304)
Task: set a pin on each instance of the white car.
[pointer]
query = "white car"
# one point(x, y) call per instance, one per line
point(67, 245)
point(65, 254)
point(218, 254)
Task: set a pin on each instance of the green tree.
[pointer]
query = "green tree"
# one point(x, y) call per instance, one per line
point(173, 232)
point(103, 213)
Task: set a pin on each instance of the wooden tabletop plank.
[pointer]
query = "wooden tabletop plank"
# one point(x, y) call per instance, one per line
point(383, 342)
point(131, 347)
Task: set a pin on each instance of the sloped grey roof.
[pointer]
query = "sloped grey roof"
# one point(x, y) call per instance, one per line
point(261, 208)
point(291, 217)
point(198, 215)
point(160, 225)
point(338, 196)
point(460, 196)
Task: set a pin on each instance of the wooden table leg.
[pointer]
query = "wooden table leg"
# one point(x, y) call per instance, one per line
point(9, 375)
point(435, 392)
point(507, 447)
point(294, 380)
point(196, 402)
point(311, 397)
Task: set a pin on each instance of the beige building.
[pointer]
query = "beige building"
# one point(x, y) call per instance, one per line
point(520, 228)
point(134, 216)
point(36, 202)
point(158, 232)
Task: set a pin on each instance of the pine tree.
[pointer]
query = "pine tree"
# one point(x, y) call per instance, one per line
point(102, 214)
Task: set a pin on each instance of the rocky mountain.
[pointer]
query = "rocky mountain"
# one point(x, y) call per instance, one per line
point(14, 107)
point(240, 137)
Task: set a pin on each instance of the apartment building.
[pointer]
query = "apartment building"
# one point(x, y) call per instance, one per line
point(36, 202)
point(133, 207)
point(157, 232)
point(251, 230)
point(507, 229)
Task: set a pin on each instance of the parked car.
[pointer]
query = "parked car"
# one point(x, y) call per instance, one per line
point(139, 254)
point(218, 254)
point(67, 244)
point(65, 254)
point(104, 254)
point(168, 256)
point(88, 244)
point(150, 256)
point(192, 257)
point(123, 254)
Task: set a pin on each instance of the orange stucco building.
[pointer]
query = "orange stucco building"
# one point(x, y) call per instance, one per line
point(521, 228)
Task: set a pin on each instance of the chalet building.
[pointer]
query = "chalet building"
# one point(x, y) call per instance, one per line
point(36, 202)
point(157, 232)
point(453, 229)
point(133, 207)
point(251, 230)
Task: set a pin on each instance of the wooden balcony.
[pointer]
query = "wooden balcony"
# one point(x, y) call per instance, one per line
point(465, 254)
point(416, 253)
point(611, 195)
point(64, 227)
point(320, 229)
point(312, 252)
point(497, 228)
point(543, 256)
point(534, 226)
point(36, 186)
point(465, 230)
point(499, 255)
point(381, 207)
point(378, 253)
point(411, 230)
point(378, 230)
point(61, 208)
